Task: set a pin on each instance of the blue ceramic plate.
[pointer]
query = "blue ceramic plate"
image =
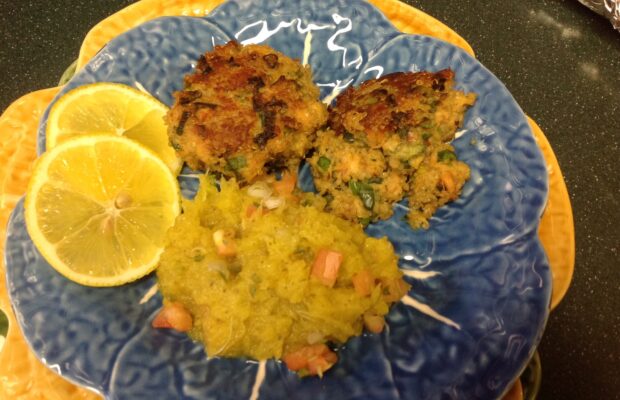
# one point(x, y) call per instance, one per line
point(480, 279)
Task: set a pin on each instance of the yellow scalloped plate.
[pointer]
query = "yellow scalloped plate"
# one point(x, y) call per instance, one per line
point(22, 375)
point(556, 229)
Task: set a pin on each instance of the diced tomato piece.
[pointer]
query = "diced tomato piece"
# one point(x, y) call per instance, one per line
point(286, 185)
point(363, 282)
point(295, 361)
point(326, 266)
point(253, 211)
point(316, 359)
point(374, 323)
point(330, 356)
point(447, 181)
point(173, 316)
point(318, 365)
point(161, 322)
point(224, 242)
point(249, 212)
point(396, 289)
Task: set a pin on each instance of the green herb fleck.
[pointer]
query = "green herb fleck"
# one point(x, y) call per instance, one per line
point(426, 124)
point(198, 254)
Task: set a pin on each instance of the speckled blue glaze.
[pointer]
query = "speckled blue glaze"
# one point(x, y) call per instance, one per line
point(493, 277)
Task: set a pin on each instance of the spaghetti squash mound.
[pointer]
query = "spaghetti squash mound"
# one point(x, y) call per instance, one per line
point(265, 272)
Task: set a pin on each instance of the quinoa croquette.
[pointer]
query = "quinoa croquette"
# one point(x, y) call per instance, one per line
point(246, 111)
point(387, 139)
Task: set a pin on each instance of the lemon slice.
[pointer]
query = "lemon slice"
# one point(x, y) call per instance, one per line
point(111, 108)
point(98, 209)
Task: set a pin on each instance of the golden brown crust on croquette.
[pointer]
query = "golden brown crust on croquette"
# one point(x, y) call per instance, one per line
point(387, 139)
point(400, 103)
point(245, 111)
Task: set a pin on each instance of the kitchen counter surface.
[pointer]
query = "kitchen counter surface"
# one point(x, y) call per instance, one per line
point(562, 64)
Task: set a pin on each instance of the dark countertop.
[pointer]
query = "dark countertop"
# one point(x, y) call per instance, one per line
point(562, 64)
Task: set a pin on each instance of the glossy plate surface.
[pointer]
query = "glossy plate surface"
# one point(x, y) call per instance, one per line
point(481, 281)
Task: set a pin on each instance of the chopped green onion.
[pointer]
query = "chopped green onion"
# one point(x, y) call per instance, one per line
point(4, 324)
point(364, 221)
point(236, 163)
point(224, 274)
point(324, 163)
point(368, 198)
point(446, 156)
point(375, 179)
point(364, 191)
point(261, 115)
point(407, 151)
point(434, 104)
point(348, 137)
point(355, 187)
point(235, 267)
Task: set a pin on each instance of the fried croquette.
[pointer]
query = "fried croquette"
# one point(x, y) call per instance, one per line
point(388, 139)
point(246, 111)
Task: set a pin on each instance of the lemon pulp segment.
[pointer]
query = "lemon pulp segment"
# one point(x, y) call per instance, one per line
point(111, 108)
point(98, 208)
